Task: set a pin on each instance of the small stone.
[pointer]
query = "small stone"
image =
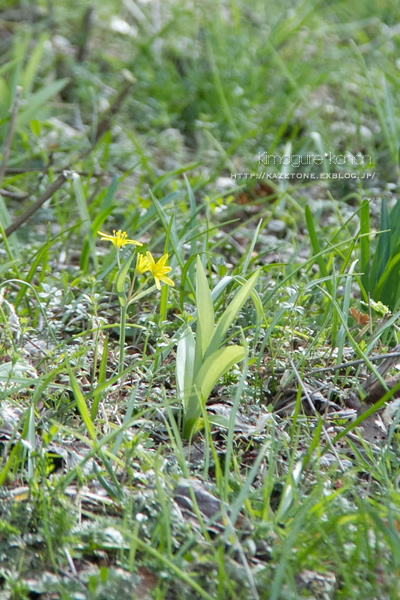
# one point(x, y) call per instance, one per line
point(277, 228)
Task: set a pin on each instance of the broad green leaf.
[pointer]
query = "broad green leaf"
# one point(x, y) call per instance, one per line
point(230, 314)
point(205, 314)
point(212, 369)
point(215, 366)
point(184, 364)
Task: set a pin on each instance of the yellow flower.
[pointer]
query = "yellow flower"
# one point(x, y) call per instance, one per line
point(142, 263)
point(119, 239)
point(159, 269)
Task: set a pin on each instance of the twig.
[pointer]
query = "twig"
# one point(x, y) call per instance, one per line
point(22, 171)
point(383, 368)
point(13, 195)
point(103, 126)
point(311, 404)
point(354, 363)
point(85, 34)
point(61, 179)
point(7, 146)
point(377, 391)
point(105, 123)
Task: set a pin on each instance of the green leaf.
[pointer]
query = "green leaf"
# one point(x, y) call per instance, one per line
point(215, 366)
point(5, 221)
point(101, 379)
point(192, 223)
point(184, 364)
point(108, 198)
point(101, 217)
point(31, 439)
point(395, 227)
point(288, 494)
point(364, 244)
point(31, 68)
point(212, 369)
point(84, 213)
point(171, 232)
point(5, 98)
point(121, 278)
point(251, 248)
point(379, 288)
point(382, 253)
point(205, 314)
point(316, 248)
point(81, 404)
point(38, 100)
point(35, 127)
point(230, 314)
point(145, 292)
point(9, 265)
point(314, 444)
point(127, 418)
point(219, 420)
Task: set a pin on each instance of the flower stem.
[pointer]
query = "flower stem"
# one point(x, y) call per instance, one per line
point(122, 338)
point(131, 298)
point(131, 288)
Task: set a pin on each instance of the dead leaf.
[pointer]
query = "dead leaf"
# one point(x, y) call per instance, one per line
point(259, 190)
point(360, 317)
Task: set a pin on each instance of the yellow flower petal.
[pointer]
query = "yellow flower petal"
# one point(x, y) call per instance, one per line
point(167, 280)
point(105, 236)
point(150, 258)
point(119, 238)
point(142, 264)
point(159, 269)
point(161, 262)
